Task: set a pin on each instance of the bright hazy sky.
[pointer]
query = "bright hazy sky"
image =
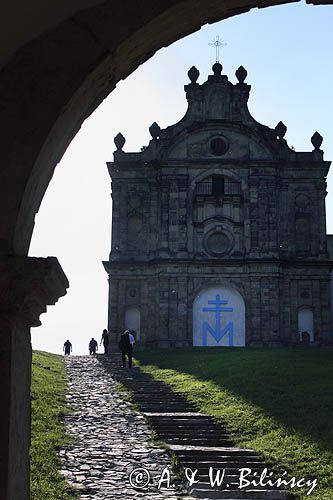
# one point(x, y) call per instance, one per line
point(287, 52)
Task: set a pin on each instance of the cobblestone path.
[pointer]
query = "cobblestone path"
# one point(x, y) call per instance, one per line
point(111, 439)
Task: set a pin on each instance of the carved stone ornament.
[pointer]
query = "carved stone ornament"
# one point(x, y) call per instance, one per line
point(193, 74)
point(316, 140)
point(218, 243)
point(280, 130)
point(155, 130)
point(217, 69)
point(241, 74)
point(132, 293)
point(119, 141)
point(28, 285)
point(302, 201)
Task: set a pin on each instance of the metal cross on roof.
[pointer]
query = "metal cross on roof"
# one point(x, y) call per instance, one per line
point(217, 44)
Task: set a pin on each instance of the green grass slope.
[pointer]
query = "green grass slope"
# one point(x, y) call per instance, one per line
point(47, 431)
point(276, 401)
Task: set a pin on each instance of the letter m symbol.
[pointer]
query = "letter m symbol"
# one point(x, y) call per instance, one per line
point(218, 335)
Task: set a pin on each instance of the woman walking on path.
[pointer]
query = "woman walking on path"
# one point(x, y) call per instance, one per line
point(105, 340)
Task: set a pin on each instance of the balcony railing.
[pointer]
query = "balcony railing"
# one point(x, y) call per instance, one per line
point(222, 189)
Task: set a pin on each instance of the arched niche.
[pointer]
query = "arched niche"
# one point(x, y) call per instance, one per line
point(219, 318)
point(305, 325)
point(133, 320)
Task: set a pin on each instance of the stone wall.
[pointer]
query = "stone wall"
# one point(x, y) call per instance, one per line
point(273, 295)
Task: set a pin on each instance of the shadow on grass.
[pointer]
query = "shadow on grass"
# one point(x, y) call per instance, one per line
point(293, 386)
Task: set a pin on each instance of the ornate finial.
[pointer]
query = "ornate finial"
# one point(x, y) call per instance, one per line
point(119, 141)
point(193, 74)
point(316, 140)
point(280, 130)
point(241, 74)
point(155, 130)
point(217, 69)
point(217, 44)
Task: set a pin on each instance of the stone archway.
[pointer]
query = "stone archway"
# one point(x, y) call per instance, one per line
point(58, 79)
point(56, 68)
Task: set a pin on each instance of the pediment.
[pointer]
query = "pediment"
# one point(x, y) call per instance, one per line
point(220, 144)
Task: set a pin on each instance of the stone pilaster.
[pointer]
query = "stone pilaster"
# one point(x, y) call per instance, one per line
point(27, 286)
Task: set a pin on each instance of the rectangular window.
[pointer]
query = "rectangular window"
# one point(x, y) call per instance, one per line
point(218, 186)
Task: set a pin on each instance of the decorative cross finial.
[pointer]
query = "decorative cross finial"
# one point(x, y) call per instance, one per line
point(217, 44)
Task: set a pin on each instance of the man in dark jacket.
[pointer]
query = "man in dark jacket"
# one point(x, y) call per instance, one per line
point(93, 346)
point(125, 347)
point(67, 348)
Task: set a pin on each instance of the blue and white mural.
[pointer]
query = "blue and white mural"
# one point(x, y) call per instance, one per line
point(219, 318)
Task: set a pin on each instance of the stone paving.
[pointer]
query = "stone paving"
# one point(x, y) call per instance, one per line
point(111, 440)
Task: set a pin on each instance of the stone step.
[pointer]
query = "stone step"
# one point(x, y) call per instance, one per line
point(175, 416)
point(211, 460)
point(166, 405)
point(191, 434)
point(230, 477)
point(185, 420)
point(233, 484)
point(158, 400)
point(157, 409)
point(179, 415)
point(204, 490)
point(234, 472)
point(214, 457)
point(175, 440)
point(206, 428)
point(211, 452)
point(196, 439)
point(226, 464)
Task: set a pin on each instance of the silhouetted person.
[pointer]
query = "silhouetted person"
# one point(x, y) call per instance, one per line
point(93, 346)
point(125, 347)
point(105, 340)
point(67, 348)
point(306, 338)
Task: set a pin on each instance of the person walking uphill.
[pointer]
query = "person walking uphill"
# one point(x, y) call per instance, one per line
point(93, 346)
point(125, 347)
point(67, 348)
point(105, 340)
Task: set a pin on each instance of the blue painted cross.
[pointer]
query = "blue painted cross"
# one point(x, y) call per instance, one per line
point(218, 334)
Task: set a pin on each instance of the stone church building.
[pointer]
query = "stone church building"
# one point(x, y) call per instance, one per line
point(219, 229)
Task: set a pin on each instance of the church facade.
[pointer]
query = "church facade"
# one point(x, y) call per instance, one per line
point(219, 230)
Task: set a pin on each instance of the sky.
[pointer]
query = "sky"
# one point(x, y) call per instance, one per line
point(287, 52)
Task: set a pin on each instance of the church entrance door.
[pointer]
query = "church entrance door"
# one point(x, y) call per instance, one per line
point(219, 318)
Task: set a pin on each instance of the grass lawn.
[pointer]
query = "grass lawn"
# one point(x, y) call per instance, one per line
point(276, 401)
point(47, 432)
